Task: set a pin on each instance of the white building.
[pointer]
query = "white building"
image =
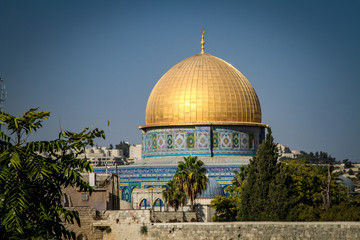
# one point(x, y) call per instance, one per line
point(135, 152)
point(103, 156)
point(285, 151)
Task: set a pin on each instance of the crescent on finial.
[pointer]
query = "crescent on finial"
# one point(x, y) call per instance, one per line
point(202, 31)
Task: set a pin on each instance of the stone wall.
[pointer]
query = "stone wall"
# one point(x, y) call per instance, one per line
point(104, 197)
point(88, 217)
point(168, 217)
point(255, 231)
point(127, 225)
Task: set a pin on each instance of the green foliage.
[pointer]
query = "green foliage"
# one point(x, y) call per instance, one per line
point(358, 176)
point(124, 146)
point(143, 230)
point(263, 188)
point(292, 190)
point(227, 208)
point(347, 163)
point(190, 178)
point(312, 185)
point(308, 181)
point(313, 158)
point(32, 175)
point(173, 196)
point(282, 194)
point(351, 172)
point(347, 210)
point(239, 178)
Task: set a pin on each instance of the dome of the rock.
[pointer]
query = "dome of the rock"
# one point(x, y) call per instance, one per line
point(202, 106)
point(203, 90)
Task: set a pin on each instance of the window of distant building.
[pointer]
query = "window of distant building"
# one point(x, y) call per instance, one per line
point(84, 197)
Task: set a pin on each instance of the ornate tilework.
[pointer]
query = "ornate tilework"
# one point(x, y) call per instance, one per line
point(225, 140)
point(180, 141)
point(236, 140)
point(251, 141)
point(154, 142)
point(190, 140)
point(215, 140)
point(161, 141)
point(244, 141)
point(125, 196)
point(202, 140)
point(143, 143)
point(148, 142)
point(169, 141)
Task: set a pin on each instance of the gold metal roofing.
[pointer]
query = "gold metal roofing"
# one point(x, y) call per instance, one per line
point(203, 90)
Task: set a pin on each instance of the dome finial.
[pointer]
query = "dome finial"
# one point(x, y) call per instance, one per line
point(202, 31)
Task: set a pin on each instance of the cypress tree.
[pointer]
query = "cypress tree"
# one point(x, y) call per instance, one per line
point(262, 172)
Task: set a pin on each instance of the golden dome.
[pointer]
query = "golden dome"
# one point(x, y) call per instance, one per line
point(203, 90)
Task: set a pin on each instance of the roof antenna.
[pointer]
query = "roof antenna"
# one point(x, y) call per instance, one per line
point(202, 31)
point(3, 93)
point(60, 128)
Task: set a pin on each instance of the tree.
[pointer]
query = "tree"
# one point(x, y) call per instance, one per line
point(190, 178)
point(173, 196)
point(227, 207)
point(319, 196)
point(317, 158)
point(265, 193)
point(347, 163)
point(125, 147)
point(32, 175)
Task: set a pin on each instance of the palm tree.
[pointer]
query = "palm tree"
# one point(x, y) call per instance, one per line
point(173, 196)
point(240, 176)
point(190, 178)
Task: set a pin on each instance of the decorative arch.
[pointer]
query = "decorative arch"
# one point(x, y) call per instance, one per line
point(144, 204)
point(226, 192)
point(159, 205)
point(125, 194)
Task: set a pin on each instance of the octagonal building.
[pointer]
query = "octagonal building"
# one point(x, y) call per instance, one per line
point(205, 107)
point(202, 107)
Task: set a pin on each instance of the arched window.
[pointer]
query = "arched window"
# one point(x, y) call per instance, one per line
point(158, 205)
point(144, 204)
point(125, 194)
point(66, 200)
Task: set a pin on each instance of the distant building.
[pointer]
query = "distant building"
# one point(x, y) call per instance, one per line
point(285, 151)
point(135, 153)
point(103, 156)
point(106, 195)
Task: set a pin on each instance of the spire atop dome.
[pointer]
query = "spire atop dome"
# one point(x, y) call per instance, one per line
point(202, 31)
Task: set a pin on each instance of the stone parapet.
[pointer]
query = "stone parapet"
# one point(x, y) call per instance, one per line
point(140, 224)
point(255, 231)
point(168, 217)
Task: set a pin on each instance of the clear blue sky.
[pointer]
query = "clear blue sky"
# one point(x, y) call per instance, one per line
point(92, 61)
